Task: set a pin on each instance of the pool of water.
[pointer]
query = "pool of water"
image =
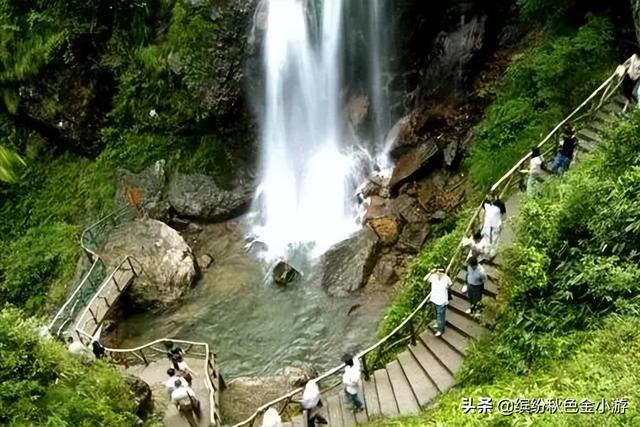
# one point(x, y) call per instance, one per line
point(257, 327)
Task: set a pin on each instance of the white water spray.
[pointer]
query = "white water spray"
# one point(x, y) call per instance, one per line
point(309, 167)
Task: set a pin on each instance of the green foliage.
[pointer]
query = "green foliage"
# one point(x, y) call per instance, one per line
point(541, 86)
point(545, 11)
point(9, 163)
point(42, 385)
point(601, 368)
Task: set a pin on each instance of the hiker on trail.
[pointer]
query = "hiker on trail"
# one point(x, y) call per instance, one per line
point(170, 384)
point(79, 351)
point(629, 83)
point(310, 401)
point(536, 168)
point(184, 370)
point(97, 349)
point(351, 381)
point(479, 247)
point(271, 418)
point(476, 277)
point(565, 151)
point(440, 284)
point(187, 403)
point(494, 212)
point(174, 353)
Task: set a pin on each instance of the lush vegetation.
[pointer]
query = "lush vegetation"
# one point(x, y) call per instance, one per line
point(542, 85)
point(42, 385)
point(567, 320)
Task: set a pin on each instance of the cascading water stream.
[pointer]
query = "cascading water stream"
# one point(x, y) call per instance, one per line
point(310, 167)
point(303, 191)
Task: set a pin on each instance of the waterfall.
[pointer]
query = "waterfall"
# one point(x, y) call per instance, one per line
point(309, 164)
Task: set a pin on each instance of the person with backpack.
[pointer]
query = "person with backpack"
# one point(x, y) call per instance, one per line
point(174, 353)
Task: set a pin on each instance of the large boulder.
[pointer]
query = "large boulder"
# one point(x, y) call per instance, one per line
point(148, 185)
point(412, 162)
point(142, 394)
point(284, 273)
point(168, 267)
point(387, 229)
point(198, 196)
point(346, 267)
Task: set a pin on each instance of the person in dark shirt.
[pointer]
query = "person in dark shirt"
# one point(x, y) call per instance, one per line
point(174, 353)
point(564, 156)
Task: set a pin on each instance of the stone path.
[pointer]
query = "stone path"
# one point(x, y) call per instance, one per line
point(412, 380)
point(155, 374)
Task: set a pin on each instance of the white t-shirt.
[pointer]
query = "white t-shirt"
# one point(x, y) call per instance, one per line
point(440, 284)
point(492, 216)
point(351, 377)
point(76, 347)
point(271, 418)
point(310, 395)
point(182, 394)
point(170, 384)
point(535, 166)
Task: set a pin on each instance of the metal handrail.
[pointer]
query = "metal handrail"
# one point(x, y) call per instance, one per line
point(84, 243)
point(209, 363)
point(84, 281)
point(452, 262)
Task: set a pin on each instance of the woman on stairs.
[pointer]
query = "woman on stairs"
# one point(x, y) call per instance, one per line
point(476, 277)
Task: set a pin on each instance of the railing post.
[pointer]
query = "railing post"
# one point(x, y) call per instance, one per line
point(365, 368)
point(413, 332)
point(131, 266)
point(95, 319)
point(143, 357)
point(115, 282)
point(106, 301)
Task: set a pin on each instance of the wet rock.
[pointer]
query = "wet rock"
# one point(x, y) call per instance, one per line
point(205, 261)
point(408, 208)
point(412, 162)
point(141, 393)
point(284, 273)
point(346, 267)
point(377, 207)
point(413, 236)
point(167, 262)
point(385, 271)
point(298, 373)
point(511, 35)
point(387, 229)
point(439, 215)
point(358, 108)
point(198, 196)
point(143, 189)
point(398, 139)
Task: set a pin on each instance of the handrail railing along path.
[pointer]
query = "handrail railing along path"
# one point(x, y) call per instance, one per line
point(606, 90)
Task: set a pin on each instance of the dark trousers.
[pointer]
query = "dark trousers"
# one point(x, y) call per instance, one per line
point(354, 399)
point(188, 411)
point(474, 292)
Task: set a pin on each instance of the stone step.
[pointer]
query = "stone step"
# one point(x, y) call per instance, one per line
point(423, 388)
point(448, 357)
point(587, 146)
point(348, 416)
point(456, 340)
point(464, 325)
point(619, 99)
point(612, 107)
point(406, 401)
point(440, 376)
point(371, 397)
point(334, 410)
point(388, 406)
point(459, 303)
point(588, 135)
point(603, 116)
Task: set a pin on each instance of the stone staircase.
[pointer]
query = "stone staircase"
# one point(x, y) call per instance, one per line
point(416, 376)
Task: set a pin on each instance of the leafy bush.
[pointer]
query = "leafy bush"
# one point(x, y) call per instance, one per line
point(541, 86)
point(42, 385)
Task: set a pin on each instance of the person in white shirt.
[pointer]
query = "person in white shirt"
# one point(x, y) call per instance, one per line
point(440, 284)
point(310, 401)
point(492, 222)
point(536, 168)
point(79, 351)
point(271, 418)
point(170, 384)
point(351, 381)
point(186, 401)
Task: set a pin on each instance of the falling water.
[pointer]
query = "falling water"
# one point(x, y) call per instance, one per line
point(310, 167)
